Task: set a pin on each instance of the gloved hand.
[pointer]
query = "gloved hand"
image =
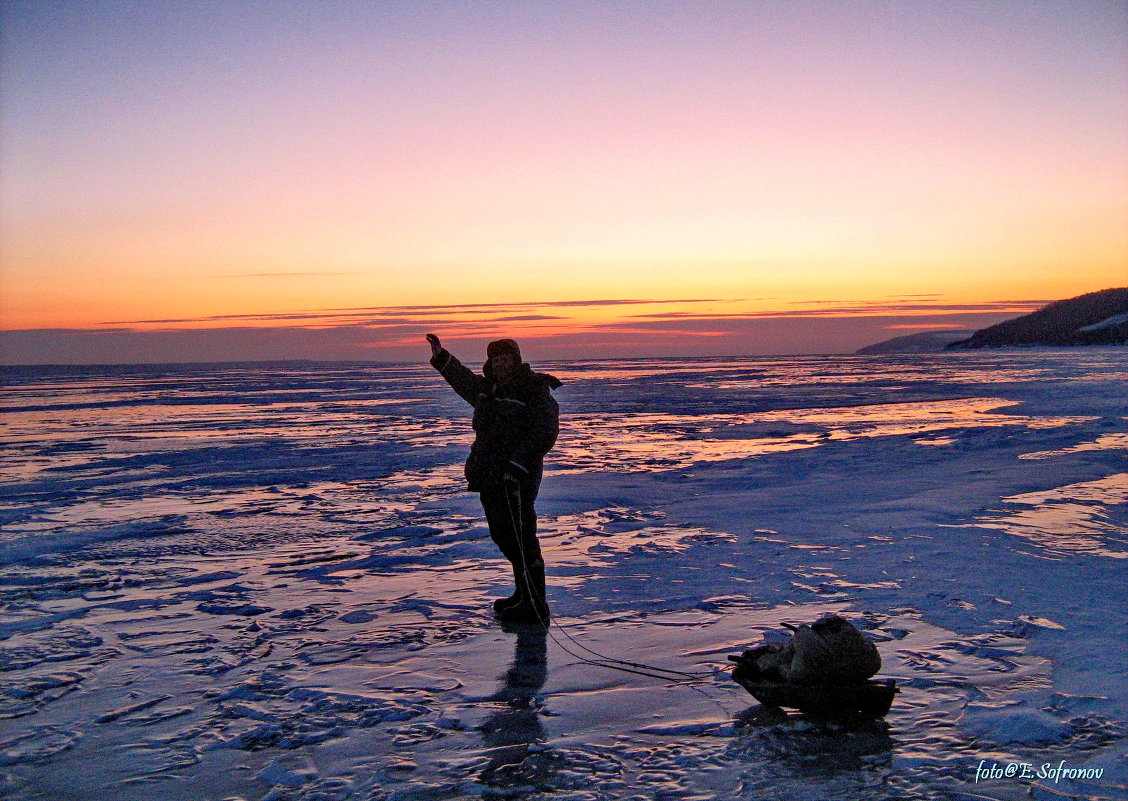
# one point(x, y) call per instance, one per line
point(436, 346)
point(500, 471)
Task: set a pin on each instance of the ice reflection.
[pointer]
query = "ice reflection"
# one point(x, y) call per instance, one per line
point(586, 543)
point(647, 442)
point(1090, 517)
point(755, 373)
point(1107, 442)
point(936, 441)
point(511, 731)
point(121, 438)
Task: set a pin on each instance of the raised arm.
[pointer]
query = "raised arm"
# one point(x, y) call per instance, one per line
point(461, 378)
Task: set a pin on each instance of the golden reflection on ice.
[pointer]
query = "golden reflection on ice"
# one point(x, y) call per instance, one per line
point(1089, 517)
point(1107, 442)
point(648, 442)
point(935, 441)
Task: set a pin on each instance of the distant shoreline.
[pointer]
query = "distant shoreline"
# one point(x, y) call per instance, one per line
point(148, 366)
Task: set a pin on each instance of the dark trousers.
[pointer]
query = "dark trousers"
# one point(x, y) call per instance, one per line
point(513, 521)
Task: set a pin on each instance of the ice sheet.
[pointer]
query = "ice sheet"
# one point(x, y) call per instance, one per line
point(268, 581)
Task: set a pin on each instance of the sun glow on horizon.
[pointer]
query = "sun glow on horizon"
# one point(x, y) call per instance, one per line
point(206, 164)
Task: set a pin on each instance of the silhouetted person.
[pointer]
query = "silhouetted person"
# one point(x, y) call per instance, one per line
point(516, 421)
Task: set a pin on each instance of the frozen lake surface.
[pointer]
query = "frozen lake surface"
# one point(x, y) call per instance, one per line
point(268, 582)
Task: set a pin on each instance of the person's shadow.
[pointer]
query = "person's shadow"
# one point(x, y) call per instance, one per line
point(509, 732)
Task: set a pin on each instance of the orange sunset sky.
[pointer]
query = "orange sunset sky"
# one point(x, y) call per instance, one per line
point(203, 181)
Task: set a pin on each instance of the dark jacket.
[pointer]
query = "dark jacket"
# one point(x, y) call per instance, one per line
point(515, 422)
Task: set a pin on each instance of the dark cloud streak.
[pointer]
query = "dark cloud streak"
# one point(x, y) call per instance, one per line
point(1017, 307)
point(378, 311)
point(288, 275)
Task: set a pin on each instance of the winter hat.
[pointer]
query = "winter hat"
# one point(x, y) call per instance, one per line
point(499, 346)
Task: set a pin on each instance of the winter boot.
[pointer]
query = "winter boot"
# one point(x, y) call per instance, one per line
point(504, 603)
point(520, 583)
point(530, 609)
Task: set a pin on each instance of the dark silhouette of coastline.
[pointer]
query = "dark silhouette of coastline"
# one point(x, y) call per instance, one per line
point(1097, 318)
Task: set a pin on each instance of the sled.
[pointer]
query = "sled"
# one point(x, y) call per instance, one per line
point(823, 668)
point(870, 698)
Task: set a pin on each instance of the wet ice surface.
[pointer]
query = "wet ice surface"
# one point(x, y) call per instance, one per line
point(266, 582)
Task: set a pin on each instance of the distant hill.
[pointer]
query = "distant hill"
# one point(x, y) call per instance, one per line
point(924, 342)
point(1098, 318)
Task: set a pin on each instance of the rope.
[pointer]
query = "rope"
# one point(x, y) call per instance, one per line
point(601, 660)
